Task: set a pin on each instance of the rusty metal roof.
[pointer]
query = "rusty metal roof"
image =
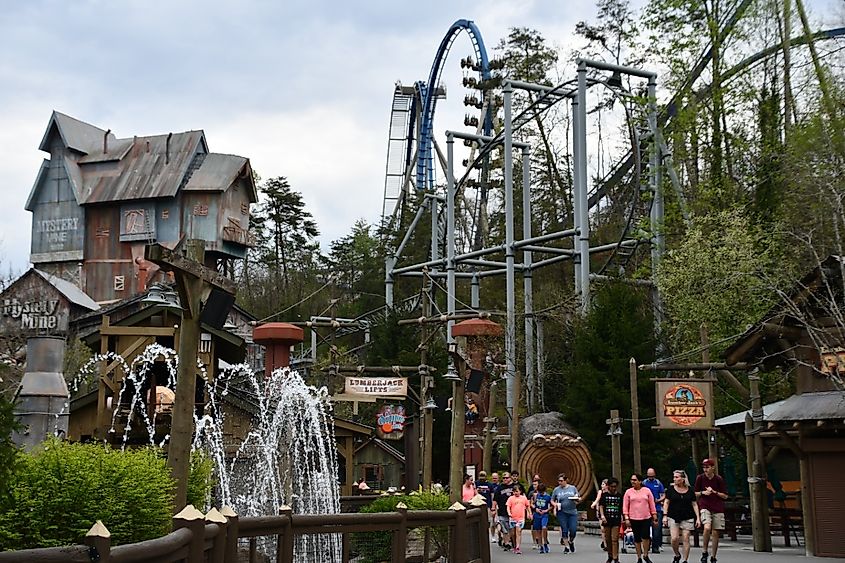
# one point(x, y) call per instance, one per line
point(216, 172)
point(69, 290)
point(77, 135)
point(152, 168)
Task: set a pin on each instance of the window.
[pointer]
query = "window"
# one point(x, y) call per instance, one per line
point(119, 283)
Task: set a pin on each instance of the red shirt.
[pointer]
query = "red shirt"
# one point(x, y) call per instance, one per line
point(712, 502)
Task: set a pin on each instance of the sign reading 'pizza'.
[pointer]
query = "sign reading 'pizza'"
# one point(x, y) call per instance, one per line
point(684, 404)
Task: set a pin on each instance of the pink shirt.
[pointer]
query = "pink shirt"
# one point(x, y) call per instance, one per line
point(638, 504)
point(467, 492)
point(517, 507)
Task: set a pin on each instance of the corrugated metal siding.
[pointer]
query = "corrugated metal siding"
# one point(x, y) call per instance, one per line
point(826, 470)
point(58, 222)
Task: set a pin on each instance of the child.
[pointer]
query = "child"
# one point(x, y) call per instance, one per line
point(610, 516)
point(518, 506)
point(540, 527)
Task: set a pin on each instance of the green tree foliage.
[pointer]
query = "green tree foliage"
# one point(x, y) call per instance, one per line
point(596, 376)
point(723, 273)
point(58, 493)
point(9, 452)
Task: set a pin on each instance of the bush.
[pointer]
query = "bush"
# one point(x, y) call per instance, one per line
point(373, 547)
point(58, 492)
point(200, 481)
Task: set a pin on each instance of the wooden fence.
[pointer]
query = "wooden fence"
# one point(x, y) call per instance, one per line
point(213, 537)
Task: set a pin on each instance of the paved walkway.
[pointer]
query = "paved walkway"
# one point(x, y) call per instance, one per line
point(589, 551)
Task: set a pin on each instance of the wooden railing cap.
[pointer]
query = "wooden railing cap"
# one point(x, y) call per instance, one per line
point(457, 506)
point(402, 506)
point(478, 500)
point(228, 512)
point(189, 513)
point(214, 515)
point(98, 530)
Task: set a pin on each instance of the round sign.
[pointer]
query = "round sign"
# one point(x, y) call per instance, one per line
point(387, 428)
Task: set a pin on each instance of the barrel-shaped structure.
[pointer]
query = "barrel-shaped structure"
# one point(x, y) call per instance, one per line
point(42, 406)
point(549, 446)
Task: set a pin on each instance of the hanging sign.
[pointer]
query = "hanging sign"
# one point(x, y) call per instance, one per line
point(684, 404)
point(389, 386)
point(390, 422)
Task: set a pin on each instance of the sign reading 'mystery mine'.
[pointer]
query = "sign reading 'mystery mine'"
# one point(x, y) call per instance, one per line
point(32, 305)
point(684, 404)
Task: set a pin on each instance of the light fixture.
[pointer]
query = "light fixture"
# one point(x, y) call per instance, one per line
point(430, 405)
point(155, 296)
point(451, 373)
point(610, 431)
point(617, 431)
point(615, 80)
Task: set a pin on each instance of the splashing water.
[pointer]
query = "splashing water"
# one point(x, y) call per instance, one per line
point(288, 457)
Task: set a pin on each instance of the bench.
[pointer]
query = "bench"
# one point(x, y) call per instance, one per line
point(788, 521)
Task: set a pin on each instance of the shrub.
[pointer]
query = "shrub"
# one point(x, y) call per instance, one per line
point(58, 492)
point(200, 481)
point(373, 547)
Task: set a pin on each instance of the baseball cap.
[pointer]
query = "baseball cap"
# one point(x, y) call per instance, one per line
point(707, 462)
point(482, 474)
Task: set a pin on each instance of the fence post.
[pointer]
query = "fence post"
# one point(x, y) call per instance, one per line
point(232, 529)
point(284, 541)
point(218, 548)
point(98, 540)
point(480, 502)
point(458, 546)
point(194, 520)
point(400, 536)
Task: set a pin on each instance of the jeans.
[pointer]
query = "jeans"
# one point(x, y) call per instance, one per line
point(657, 531)
point(568, 524)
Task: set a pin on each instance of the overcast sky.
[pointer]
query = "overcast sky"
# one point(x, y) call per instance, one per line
point(301, 88)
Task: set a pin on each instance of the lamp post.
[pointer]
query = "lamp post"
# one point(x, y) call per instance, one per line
point(456, 457)
point(615, 433)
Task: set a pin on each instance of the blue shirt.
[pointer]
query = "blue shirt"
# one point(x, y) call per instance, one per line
point(657, 489)
point(542, 502)
point(485, 489)
point(564, 495)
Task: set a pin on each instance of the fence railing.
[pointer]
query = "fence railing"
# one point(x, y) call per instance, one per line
point(214, 537)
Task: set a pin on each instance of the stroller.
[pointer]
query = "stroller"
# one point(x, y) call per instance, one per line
point(627, 539)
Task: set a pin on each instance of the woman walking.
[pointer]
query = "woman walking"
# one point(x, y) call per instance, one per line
point(640, 514)
point(468, 490)
point(681, 513)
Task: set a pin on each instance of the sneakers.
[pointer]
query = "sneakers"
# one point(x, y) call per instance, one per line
point(546, 548)
point(646, 559)
point(704, 557)
point(572, 545)
point(517, 551)
point(712, 560)
point(639, 560)
point(494, 539)
point(676, 559)
point(561, 543)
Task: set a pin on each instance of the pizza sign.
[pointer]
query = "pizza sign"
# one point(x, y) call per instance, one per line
point(685, 403)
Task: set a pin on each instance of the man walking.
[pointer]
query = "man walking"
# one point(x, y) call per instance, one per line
point(711, 492)
point(485, 489)
point(659, 491)
point(500, 505)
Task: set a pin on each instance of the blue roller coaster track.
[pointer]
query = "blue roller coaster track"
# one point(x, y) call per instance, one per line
point(425, 158)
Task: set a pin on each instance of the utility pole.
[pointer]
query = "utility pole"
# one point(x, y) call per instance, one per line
point(763, 539)
point(456, 461)
point(712, 446)
point(635, 416)
point(487, 459)
point(515, 421)
point(425, 389)
point(194, 282)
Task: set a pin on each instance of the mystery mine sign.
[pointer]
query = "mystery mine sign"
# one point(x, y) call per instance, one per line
point(34, 315)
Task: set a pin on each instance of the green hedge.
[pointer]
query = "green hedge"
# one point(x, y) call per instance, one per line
point(374, 547)
point(58, 492)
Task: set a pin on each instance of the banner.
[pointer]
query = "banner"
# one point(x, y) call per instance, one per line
point(388, 386)
point(390, 422)
point(684, 404)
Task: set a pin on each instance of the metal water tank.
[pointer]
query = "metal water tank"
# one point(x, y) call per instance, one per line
point(43, 402)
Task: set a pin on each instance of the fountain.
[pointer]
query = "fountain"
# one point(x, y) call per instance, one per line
point(287, 458)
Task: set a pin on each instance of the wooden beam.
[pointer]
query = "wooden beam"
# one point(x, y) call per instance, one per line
point(137, 331)
point(171, 261)
point(791, 444)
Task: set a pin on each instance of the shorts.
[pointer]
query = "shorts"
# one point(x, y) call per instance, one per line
point(541, 521)
point(716, 519)
point(641, 530)
point(517, 524)
point(688, 525)
point(505, 523)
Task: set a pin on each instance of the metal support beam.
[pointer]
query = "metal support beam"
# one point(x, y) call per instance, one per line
point(583, 209)
point(527, 282)
point(510, 279)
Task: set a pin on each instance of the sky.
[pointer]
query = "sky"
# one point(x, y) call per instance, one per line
point(301, 88)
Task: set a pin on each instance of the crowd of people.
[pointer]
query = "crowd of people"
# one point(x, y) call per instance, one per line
point(636, 516)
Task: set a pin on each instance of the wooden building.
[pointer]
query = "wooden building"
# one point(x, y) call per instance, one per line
point(98, 200)
point(804, 337)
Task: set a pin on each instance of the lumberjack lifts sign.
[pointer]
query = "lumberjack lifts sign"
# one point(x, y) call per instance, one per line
point(684, 404)
point(388, 386)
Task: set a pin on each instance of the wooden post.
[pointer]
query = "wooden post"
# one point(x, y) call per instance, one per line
point(103, 412)
point(400, 536)
point(487, 458)
point(426, 388)
point(194, 281)
point(635, 416)
point(218, 548)
point(806, 499)
point(232, 529)
point(483, 545)
point(194, 520)
point(615, 444)
point(765, 539)
point(456, 461)
point(753, 484)
point(98, 539)
point(712, 446)
point(458, 543)
point(517, 391)
point(284, 542)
